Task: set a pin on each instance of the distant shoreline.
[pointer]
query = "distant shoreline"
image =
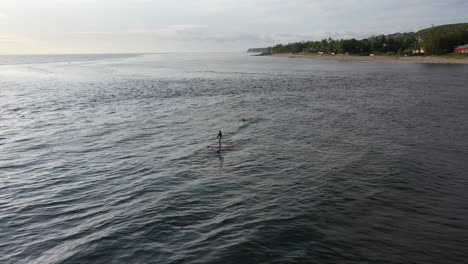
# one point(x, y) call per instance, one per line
point(410, 59)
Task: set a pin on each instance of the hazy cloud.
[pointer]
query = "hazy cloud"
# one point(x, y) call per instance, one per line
point(271, 38)
point(95, 33)
point(197, 25)
point(6, 39)
point(219, 38)
point(171, 30)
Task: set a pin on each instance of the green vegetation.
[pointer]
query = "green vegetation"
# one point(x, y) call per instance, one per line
point(257, 50)
point(443, 28)
point(432, 41)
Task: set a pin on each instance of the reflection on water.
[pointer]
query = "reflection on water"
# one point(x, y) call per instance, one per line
point(221, 159)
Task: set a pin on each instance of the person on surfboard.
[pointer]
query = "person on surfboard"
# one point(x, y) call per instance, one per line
point(220, 135)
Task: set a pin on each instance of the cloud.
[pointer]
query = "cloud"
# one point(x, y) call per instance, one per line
point(167, 31)
point(171, 30)
point(157, 25)
point(267, 39)
point(10, 40)
point(6, 39)
point(95, 33)
point(314, 6)
point(318, 35)
point(219, 38)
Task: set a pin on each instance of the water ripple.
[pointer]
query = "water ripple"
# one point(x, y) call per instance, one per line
point(105, 161)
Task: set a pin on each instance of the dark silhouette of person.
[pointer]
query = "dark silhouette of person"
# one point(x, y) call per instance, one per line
point(220, 135)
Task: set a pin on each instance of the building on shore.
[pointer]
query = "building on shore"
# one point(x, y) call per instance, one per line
point(461, 49)
point(418, 51)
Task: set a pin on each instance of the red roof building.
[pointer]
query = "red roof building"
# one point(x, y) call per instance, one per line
point(461, 49)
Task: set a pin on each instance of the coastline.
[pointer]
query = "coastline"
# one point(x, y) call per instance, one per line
point(415, 59)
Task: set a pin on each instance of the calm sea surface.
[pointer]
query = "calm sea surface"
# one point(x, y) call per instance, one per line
point(103, 159)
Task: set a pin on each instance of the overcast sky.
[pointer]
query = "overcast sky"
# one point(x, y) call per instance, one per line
point(108, 26)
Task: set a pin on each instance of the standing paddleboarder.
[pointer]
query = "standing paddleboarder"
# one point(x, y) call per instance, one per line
point(220, 135)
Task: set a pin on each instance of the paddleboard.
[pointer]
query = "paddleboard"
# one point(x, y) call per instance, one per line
point(222, 146)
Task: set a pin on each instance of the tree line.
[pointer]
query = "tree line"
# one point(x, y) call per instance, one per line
point(430, 42)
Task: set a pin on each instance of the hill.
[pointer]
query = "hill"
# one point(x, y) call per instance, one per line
point(430, 41)
point(443, 29)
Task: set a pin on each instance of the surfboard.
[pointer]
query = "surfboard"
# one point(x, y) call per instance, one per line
point(222, 146)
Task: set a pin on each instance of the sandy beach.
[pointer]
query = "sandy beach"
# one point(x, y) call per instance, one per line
point(416, 59)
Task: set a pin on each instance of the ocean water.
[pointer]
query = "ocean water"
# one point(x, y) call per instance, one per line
point(103, 159)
